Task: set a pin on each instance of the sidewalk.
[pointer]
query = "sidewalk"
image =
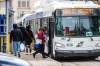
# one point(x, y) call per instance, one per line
point(39, 61)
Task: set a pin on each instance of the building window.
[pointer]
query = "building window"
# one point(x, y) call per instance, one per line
point(19, 4)
point(24, 3)
point(27, 3)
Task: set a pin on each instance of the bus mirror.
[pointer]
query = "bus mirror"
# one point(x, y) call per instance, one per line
point(89, 34)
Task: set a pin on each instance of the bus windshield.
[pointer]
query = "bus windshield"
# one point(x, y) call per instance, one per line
point(77, 26)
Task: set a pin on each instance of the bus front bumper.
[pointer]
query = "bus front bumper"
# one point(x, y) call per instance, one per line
point(72, 53)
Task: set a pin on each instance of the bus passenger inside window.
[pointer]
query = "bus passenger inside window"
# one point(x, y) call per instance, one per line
point(66, 31)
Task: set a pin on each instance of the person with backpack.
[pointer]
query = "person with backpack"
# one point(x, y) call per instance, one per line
point(29, 39)
point(39, 43)
point(16, 37)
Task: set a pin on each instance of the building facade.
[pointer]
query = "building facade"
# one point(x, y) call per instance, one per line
point(22, 7)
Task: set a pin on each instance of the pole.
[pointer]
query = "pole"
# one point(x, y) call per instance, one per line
point(7, 20)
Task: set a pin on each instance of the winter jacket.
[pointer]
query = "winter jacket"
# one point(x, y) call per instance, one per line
point(41, 36)
point(29, 37)
point(16, 35)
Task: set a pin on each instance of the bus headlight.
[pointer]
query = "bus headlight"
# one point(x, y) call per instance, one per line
point(59, 45)
point(97, 45)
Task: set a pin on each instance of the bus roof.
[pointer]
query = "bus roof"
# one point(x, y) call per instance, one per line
point(47, 10)
point(67, 4)
point(74, 4)
point(24, 17)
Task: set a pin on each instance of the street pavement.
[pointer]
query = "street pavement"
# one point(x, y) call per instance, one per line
point(39, 61)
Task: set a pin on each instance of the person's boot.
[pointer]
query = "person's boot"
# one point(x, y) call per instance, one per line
point(44, 56)
point(47, 55)
point(33, 55)
point(19, 55)
point(30, 51)
point(26, 51)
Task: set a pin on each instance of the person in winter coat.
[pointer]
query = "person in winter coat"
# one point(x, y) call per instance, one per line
point(29, 39)
point(40, 39)
point(16, 37)
point(23, 30)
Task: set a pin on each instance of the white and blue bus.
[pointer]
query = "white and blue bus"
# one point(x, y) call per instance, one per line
point(73, 29)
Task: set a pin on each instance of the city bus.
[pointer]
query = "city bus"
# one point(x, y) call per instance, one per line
point(72, 30)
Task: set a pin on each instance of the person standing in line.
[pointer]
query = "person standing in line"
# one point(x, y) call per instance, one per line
point(16, 37)
point(29, 39)
point(23, 30)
